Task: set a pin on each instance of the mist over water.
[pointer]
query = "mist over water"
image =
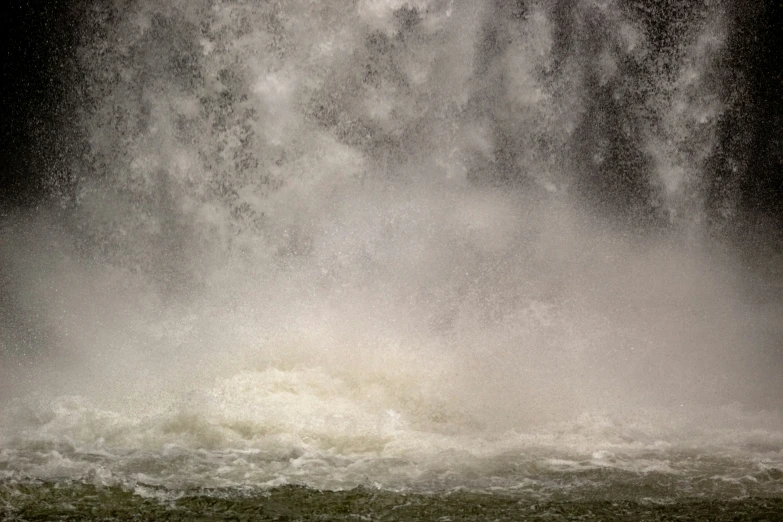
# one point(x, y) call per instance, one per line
point(413, 244)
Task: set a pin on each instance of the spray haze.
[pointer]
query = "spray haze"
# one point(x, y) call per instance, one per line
point(345, 227)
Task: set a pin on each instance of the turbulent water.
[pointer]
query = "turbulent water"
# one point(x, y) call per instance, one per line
point(431, 248)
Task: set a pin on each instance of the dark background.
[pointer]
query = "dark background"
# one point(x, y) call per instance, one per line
point(38, 49)
point(38, 96)
point(751, 136)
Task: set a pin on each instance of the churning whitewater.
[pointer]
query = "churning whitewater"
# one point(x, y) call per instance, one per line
point(424, 246)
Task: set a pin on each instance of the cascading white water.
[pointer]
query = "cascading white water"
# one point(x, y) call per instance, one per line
point(334, 243)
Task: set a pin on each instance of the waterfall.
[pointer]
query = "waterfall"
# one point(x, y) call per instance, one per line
point(326, 241)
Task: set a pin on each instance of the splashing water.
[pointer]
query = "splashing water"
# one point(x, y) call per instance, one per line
point(418, 245)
